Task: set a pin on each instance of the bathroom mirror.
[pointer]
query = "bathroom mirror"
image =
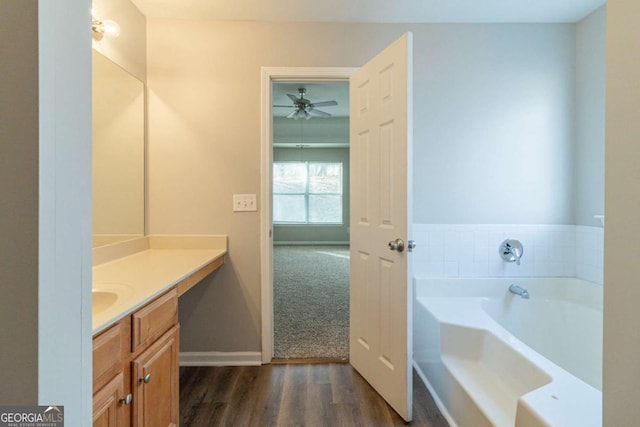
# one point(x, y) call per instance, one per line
point(118, 153)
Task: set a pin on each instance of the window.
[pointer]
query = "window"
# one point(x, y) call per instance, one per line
point(307, 193)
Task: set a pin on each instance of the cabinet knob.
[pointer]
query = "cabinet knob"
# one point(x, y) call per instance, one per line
point(127, 399)
point(146, 379)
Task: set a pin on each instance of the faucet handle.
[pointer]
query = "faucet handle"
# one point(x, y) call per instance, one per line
point(511, 250)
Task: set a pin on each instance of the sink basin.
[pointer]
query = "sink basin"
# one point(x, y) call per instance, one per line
point(107, 294)
point(102, 300)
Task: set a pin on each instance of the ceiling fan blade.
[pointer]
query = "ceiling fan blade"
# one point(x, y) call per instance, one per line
point(323, 104)
point(318, 113)
point(292, 97)
point(284, 106)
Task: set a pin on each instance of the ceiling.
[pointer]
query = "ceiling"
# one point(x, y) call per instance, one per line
point(316, 92)
point(398, 11)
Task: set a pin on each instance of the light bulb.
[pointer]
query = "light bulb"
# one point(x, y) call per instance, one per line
point(110, 28)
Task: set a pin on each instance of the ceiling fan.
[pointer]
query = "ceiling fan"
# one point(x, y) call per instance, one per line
point(305, 108)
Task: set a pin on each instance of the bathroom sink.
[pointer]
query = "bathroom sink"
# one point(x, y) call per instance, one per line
point(107, 294)
point(102, 300)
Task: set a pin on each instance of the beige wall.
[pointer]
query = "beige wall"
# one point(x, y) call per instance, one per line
point(622, 211)
point(19, 195)
point(204, 130)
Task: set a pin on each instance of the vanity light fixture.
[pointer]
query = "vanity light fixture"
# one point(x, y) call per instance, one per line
point(104, 27)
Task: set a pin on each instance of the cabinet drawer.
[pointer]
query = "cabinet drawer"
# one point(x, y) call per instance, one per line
point(154, 319)
point(107, 355)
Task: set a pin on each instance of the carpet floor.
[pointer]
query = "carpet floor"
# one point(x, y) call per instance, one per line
point(311, 302)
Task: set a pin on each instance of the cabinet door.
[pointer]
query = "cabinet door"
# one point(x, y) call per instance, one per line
point(108, 408)
point(155, 383)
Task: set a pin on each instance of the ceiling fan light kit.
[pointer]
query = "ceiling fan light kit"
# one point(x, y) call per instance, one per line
point(304, 108)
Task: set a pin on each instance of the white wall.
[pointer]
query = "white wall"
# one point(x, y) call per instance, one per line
point(622, 210)
point(494, 109)
point(588, 163)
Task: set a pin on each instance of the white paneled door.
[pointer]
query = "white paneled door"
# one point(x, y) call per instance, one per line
point(380, 301)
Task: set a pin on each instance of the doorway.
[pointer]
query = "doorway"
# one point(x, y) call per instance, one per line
point(310, 208)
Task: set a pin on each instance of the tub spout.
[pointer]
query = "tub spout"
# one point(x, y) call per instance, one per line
point(522, 292)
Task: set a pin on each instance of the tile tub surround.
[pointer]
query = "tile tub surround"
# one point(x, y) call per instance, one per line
point(590, 253)
point(140, 270)
point(471, 250)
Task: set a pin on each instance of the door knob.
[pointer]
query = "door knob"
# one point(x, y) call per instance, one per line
point(146, 379)
point(396, 245)
point(411, 244)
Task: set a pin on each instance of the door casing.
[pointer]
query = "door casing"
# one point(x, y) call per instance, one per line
point(269, 75)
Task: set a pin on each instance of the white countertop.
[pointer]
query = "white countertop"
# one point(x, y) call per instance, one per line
point(140, 277)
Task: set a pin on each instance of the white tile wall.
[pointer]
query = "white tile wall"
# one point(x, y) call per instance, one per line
point(590, 253)
point(471, 250)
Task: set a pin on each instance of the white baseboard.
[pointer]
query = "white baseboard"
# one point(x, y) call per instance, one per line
point(310, 243)
point(220, 358)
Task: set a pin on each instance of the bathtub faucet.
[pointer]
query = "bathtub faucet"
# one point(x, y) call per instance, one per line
point(515, 289)
point(511, 250)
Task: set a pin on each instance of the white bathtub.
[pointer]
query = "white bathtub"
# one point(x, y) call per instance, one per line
point(491, 358)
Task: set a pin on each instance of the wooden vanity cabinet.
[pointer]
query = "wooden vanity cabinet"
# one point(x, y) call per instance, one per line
point(136, 368)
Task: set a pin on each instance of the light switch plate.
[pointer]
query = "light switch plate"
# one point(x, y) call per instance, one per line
point(245, 202)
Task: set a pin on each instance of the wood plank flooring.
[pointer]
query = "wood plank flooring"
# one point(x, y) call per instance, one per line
point(292, 395)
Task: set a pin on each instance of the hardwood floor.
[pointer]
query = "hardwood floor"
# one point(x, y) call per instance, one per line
point(292, 395)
